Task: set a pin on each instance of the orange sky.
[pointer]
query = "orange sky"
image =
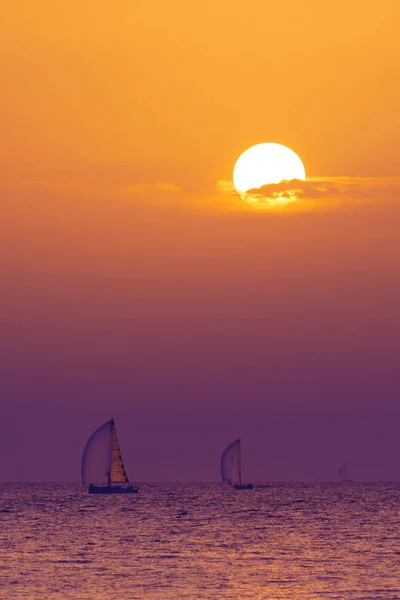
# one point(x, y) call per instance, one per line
point(176, 91)
point(117, 250)
point(130, 278)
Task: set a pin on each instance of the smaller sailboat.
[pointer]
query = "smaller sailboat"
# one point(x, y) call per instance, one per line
point(342, 471)
point(102, 465)
point(231, 467)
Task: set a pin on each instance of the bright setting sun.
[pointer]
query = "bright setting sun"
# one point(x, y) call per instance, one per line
point(264, 164)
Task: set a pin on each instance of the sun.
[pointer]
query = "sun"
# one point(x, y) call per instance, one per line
point(264, 164)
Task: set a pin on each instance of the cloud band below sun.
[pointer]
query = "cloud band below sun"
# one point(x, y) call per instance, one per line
point(297, 189)
point(315, 192)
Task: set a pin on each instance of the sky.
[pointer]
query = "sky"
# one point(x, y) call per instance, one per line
point(135, 283)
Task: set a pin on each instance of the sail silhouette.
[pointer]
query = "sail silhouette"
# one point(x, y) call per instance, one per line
point(102, 466)
point(342, 471)
point(231, 466)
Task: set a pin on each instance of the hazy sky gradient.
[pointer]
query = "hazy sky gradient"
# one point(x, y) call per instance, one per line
point(132, 281)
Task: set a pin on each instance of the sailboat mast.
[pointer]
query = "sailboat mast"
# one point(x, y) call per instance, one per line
point(117, 469)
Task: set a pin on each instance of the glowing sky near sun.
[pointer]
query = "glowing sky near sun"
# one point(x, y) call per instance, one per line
point(171, 93)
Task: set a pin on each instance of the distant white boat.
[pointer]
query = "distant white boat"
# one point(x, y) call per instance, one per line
point(102, 465)
point(231, 467)
point(342, 471)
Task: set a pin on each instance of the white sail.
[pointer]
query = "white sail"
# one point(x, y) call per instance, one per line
point(101, 460)
point(231, 464)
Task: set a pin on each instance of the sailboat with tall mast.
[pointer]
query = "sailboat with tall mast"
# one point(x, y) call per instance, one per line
point(102, 466)
point(231, 466)
point(342, 472)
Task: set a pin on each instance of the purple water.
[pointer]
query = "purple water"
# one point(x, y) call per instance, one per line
point(290, 541)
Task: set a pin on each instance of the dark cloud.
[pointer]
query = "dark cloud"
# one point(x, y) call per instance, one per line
point(298, 189)
point(317, 193)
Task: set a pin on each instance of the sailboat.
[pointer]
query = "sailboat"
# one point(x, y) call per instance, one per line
point(342, 471)
point(231, 467)
point(102, 465)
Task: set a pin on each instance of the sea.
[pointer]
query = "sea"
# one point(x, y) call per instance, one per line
point(339, 541)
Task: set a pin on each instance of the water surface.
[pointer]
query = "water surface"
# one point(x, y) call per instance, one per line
point(201, 541)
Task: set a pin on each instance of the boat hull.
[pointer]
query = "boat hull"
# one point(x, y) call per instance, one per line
point(112, 489)
point(247, 486)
